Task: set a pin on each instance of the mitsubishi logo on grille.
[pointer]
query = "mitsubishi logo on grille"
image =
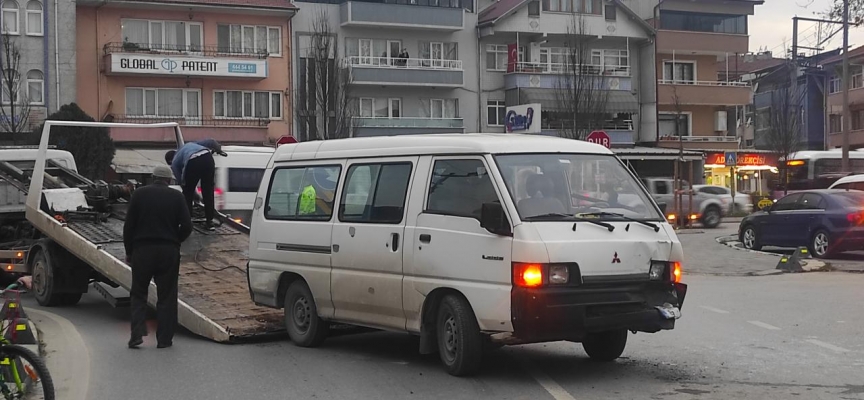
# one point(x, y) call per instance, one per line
point(615, 259)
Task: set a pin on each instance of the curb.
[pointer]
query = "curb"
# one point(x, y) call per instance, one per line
point(734, 238)
point(809, 265)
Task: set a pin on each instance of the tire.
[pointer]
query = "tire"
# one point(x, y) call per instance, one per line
point(304, 326)
point(460, 345)
point(71, 299)
point(605, 346)
point(43, 282)
point(37, 367)
point(750, 238)
point(820, 244)
point(711, 217)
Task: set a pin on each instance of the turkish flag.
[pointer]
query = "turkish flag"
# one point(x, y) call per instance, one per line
point(512, 57)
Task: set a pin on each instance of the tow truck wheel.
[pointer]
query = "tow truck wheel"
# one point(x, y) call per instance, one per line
point(71, 299)
point(43, 282)
point(460, 344)
point(605, 346)
point(304, 326)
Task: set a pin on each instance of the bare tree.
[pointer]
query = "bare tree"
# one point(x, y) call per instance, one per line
point(581, 87)
point(783, 120)
point(15, 110)
point(324, 107)
point(856, 11)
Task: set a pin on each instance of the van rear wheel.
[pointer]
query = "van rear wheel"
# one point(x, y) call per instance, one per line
point(605, 346)
point(460, 344)
point(304, 326)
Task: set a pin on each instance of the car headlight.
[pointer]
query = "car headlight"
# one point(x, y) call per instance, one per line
point(657, 270)
point(558, 274)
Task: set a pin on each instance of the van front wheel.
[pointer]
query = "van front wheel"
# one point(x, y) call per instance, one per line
point(605, 346)
point(304, 326)
point(460, 344)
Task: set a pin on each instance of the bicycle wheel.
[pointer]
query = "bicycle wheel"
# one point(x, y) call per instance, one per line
point(23, 375)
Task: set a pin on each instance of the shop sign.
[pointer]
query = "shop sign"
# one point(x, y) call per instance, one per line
point(182, 65)
point(744, 159)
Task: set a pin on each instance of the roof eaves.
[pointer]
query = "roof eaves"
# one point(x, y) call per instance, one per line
point(635, 17)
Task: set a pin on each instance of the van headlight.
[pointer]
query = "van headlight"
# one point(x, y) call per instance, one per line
point(558, 274)
point(657, 270)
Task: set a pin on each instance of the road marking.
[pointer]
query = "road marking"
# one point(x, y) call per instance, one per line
point(828, 346)
point(717, 310)
point(553, 388)
point(764, 325)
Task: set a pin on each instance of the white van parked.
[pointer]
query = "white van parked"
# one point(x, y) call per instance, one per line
point(463, 239)
point(237, 179)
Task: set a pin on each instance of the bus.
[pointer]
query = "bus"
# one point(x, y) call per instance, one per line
point(814, 169)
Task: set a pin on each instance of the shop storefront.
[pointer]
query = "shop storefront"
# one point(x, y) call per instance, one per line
point(754, 170)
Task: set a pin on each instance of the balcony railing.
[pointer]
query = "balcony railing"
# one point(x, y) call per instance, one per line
point(626, 125)
point(564, 68)
point(715, 139)
point(702, 83)
point(190, 121)
point(408, 122)
point(408, 63)
point(192, 50)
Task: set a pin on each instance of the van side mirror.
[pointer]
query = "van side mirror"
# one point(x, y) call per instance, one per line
point(494, 220)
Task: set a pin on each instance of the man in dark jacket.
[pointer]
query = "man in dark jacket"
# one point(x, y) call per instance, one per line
point(157, 222)
point(194, 163)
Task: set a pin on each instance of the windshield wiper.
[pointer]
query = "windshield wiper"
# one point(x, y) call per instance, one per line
point(569, 217)
point(655, 227)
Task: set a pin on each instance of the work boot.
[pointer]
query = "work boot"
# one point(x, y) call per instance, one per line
point(135, 341)
point(210, 226)
point(164, 345)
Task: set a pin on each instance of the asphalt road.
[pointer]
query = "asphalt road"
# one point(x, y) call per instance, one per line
point(772, 337)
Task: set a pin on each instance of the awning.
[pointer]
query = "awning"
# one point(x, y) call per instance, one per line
point(137, 161)
point(617, 101)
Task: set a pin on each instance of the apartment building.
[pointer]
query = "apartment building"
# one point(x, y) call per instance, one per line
point(833, 68)
point(603, 46)
point(412, 65)
point(218, 67)
point(42, 32)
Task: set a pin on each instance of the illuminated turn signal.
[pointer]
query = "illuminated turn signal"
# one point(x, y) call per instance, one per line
point(676, 272)
point(527, 275)
point(8, 267)
point(671, 217)
point(795, 163)
point(19, 255)
point(694, 217)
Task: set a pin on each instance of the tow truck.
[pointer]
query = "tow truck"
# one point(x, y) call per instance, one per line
point(75, 243)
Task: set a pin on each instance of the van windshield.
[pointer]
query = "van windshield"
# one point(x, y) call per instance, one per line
point(559, 186)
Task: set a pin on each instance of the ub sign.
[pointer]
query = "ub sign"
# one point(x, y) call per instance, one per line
point(523, 119)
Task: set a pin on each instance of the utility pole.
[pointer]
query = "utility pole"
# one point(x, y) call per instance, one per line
point(847, 118)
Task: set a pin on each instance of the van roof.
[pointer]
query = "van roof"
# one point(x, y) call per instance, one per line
point(248, 149)
point(848, 179)
point(468, 143)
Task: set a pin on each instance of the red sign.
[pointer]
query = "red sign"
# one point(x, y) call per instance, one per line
point(601, 138)
point(287, 139)
point(715, 159)
point(744, 159)
point(512, 57)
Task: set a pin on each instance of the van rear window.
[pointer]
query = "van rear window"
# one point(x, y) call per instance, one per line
point(304, 193)
point(244, 180)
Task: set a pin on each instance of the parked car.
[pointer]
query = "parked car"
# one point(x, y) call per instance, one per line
point(826, 221)
point(708, 208)
point(855, 182)
point(741, 201)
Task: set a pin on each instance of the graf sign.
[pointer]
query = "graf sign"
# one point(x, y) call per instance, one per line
point(601, 138)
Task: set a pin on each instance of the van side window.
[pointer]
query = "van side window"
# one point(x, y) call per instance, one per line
point(375, 193)
point(662, 187)
point(459, 188)
point(305, 193)
point(244, 180)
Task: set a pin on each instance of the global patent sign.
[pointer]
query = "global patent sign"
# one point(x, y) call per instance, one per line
point(181, 65)
point(523, 119)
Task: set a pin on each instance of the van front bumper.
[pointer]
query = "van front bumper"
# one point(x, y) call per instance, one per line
point(569, 313)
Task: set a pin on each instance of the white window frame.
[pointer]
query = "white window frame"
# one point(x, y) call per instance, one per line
point(242, 45)
point(155, 91)
point(672, 78)
point(390, 102)
point(371, 109)
point(835, 84)
point(10, 10)
point(689, 115)
point(41, 25)
point(41, 87)
point(243, 99)
point(432, 108)
point(162, 23)
point(501, 48)
point(489, 107)
point(856, 77)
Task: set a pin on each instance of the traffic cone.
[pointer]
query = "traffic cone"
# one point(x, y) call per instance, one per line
point(792, 263)
point(12, 309)
point(21, 332)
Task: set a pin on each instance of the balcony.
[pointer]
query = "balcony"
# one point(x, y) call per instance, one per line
point(405, 72)
point(371, 126)
point(225, 130)
point(620, 132)
point(404, 16)
point(704, 93)
point(701, 142)
point(686, 42)
point(549, 75)
point(182, 61)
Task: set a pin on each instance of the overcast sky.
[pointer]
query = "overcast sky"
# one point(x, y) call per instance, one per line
point(772, 25)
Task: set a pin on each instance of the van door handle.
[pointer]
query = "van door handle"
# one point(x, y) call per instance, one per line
point(425, 238)
point(395, 241)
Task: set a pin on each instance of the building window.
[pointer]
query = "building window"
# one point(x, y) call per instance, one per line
point(248, 39)
point(835, 84)
point(240, 104)
point(667, 124)
point(380, 107)
point(140, 34)
point(35, 87)
point(703, 22)
point(611, 61)
point(857, 73)
point(9, 10)
point(835, 123)
point(34, 18)
point(163, 102)
point(573, 6)
point(679, 72)
point(495, 113)
point(496, 57)
point(534, 8)
point(440, 108)
point(611, 12)
point(438, 54)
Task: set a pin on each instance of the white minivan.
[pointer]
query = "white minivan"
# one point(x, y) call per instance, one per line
point(464, 240)
point(237, 179)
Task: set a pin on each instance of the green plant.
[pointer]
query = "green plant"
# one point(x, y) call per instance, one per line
point(92, 147)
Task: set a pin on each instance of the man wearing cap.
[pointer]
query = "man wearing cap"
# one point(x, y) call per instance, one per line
point(157, 222)
point(194, 163)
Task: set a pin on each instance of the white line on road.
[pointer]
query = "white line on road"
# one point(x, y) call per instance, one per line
point(553, 388)
point(828, 346)
point(764, 325)
point(717, 310)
